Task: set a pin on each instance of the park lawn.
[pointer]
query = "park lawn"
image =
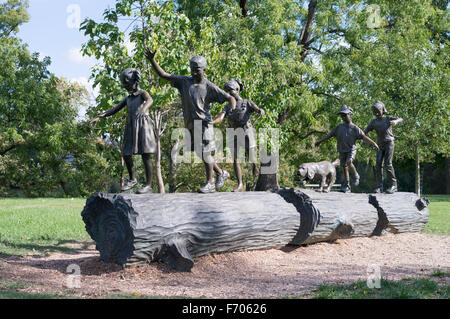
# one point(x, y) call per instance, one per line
point(39, 226)
point(439, 221)
point(421, 288)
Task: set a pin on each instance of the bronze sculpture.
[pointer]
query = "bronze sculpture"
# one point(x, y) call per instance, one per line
point(197, 93)
point(323, 170)
point(138, 136)
point(240, 118)
point(385, 139)
point(346, 134)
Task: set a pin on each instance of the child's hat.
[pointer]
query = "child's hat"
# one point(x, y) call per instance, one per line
point(380, 106)
point(199, 61)
point(345, 110)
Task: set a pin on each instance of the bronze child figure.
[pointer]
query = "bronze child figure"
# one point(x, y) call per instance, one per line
point(138, 136)
point(197, 94)
point(346, 134)
point(385, 138)
point(240, 118)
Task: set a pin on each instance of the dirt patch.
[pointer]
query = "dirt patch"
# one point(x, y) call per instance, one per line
point(252, 274)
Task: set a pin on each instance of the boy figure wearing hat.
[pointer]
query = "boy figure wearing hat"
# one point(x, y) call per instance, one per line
point(197, 94)
point(385, 138)
point(346, 134)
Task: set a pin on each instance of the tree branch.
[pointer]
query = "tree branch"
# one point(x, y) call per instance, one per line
point(305, 36)
point(244, 7)
point(8, 149)
point(303, 41)
point(303, 137)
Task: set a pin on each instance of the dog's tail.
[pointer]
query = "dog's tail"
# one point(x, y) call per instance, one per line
point(336, 163)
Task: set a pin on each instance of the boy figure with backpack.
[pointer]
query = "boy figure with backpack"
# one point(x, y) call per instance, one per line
point(240, 119)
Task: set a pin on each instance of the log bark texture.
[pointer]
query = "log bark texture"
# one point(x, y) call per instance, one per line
point(176, 228)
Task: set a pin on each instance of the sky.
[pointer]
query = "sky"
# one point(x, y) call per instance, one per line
point(53, 30)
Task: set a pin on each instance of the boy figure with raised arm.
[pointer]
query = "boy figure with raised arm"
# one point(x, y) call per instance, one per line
point(197, 94)
point(346, 134)
point(385, 138)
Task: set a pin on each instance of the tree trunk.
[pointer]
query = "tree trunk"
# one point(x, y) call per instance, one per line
point(159, 177)
point(304, 41)
point(267, 182)
point(417, 183)
point(305, 36)
point(244, 7)
point(176, 228)
point(447, 174)
point(122, 173)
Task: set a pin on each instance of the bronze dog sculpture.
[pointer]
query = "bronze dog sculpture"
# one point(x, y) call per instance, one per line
point(322, 170)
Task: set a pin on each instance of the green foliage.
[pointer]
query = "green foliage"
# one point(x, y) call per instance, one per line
point(43, 149)
point(12, 14)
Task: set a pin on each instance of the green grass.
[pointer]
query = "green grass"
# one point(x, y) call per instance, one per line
point(422, 288)
point(13, 290)
point(439, 221)
point(40, 225)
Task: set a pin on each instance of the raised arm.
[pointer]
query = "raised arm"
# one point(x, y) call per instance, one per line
point(110, 112)
point(150, 55)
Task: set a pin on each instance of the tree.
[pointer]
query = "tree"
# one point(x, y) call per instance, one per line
point(13, 13)
point(402, 62)
point(42, 147)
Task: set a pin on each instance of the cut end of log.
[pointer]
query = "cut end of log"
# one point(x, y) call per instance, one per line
point(107, 218)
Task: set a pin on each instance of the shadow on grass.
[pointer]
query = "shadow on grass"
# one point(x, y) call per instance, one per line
point(89, 265)
point(22, 249)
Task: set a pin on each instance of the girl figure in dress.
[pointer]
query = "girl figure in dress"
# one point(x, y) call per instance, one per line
point(138, 136)
point(240, 118)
